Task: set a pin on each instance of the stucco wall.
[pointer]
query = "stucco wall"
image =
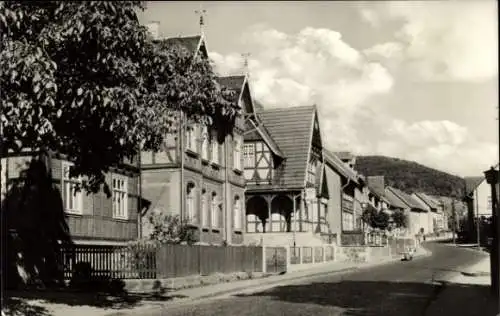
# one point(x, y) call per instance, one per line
point(334, 216)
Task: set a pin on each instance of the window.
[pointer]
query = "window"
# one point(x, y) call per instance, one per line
point(204, 208)
point(191, 203)
point(489, 206)
point(72, 198)
point(314, 210)
point(215, 150)
point(347, 221)
point(215, 211)
point(191, 132)
point(249, 155)
point(237, 152)
point(311, 171)
point(237, 213)
point(120, 196)
point(204, 143)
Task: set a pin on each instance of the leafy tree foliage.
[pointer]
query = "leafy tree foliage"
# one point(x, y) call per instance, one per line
point(400, 219)
point(375, 218)
point(171, 229)
point(86, 80)
point(410, 176)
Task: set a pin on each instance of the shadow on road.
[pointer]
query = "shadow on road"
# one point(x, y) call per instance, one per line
point(366, 298)
point(23, 302)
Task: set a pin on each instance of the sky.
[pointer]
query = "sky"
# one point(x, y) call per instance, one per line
point(412, 80)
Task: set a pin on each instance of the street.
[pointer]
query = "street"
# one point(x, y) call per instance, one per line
point(401, 288)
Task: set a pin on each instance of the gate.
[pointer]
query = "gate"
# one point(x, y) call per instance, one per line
point(275, 259)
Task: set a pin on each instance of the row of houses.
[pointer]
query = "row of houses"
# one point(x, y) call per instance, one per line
point(272, 181)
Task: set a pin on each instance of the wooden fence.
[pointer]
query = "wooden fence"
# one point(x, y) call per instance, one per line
point(167, 261)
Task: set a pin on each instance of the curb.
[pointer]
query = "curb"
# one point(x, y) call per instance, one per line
point(476, 274)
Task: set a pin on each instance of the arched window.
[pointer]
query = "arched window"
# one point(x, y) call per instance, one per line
point(204, 143)
point(215, 210)
point(237, 213)
point(190, 202)
point(191, 136)
point(204, 208)
point(215, 149)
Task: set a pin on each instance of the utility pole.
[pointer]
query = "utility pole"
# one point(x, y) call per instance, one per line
point(454, 220)
point(492, 179)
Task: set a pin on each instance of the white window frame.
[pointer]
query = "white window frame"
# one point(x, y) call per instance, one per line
point(191, 138)
point(249, 155)
point(238, 140)
point(237, 213)
point(119, 187)
point(205, 218)
point(215, 157)
point(214, 211)
point(68, 185)
point(191, 202)
point(204, 143)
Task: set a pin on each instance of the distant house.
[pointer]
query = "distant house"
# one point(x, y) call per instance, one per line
point(478, 198)
point(416, 213)
point(435, 212)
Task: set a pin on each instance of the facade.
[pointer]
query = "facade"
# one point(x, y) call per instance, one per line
point(437, 218)
point(199, 173)
point(39, 195)
point(286, 192)
point(415, 212)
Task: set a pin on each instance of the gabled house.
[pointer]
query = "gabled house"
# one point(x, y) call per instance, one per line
point(340, 215)
point(286, 193)
point(415, 212)
point(199, 174)
point(436, 213)
point(376, 193)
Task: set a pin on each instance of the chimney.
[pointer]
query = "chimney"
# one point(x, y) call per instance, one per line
point(377, 183)
point(154, 29)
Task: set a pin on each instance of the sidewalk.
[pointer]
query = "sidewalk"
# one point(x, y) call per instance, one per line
point(466, 294)
point(478, 274)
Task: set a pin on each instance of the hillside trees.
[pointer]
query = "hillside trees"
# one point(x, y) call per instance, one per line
point(86, 80)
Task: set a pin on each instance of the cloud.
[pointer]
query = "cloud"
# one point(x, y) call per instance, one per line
point(442, 144)
point(442, 40)
point(316, 66)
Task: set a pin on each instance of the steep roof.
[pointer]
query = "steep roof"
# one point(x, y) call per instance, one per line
point(291, 128)
point(237, 84)
point(191, 43)
point(334, 161)
point(407, 199)
point(393, 199)
point(428, 200)
point(471, 184)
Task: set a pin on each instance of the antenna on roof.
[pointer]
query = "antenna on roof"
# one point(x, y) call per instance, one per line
point(245, 63)
point(201, 12)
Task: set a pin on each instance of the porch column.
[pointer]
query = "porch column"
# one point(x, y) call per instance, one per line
point(302, 211)
point(269, 200)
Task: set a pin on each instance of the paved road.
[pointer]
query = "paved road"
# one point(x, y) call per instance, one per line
point(402, 288)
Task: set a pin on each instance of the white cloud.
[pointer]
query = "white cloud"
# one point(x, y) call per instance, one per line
point(443, 40)
point(443, 145)
point(316, 66)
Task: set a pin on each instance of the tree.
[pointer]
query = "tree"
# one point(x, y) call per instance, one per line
point(170, 229)
point(376, 219)
point(400, 219)
point(86, 80)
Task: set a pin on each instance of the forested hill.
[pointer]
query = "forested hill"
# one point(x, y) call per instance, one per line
point(410, 176)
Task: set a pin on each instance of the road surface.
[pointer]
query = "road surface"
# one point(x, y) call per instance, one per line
point(401, 288)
